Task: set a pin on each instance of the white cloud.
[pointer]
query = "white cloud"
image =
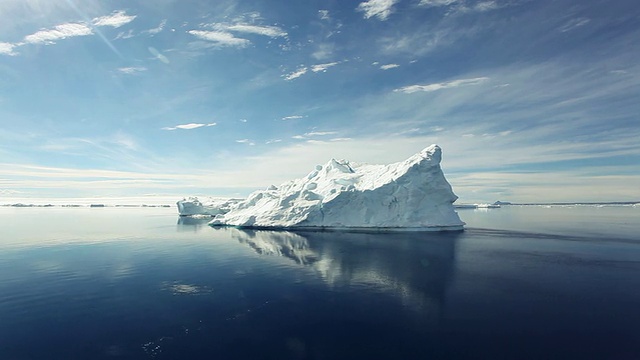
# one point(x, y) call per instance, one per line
point(270, 31)
point(389, 66)
point(245, 141)
point(460, 6)
point(132, 70)
point(574, 23)
point(323, 67)
point(424, 39)
point(411, 131)
point(315, 68)
point(189, 126)
point(437, 2)
point(378, 8)
point(59, 32)
point(293, 117)
point(323, 51)
point(274, 141)
point(296, 74)
point(158, 29)
point(5, 192)
point(220, 38)
point(618, 72)
point(324, 15)
point(158, 55)
point(439, 86)
point(320, 133)
point(116, 19)
point(124, 140)
point(486, 6)
point(124, 35)
point(479, 7)
point(7, 49)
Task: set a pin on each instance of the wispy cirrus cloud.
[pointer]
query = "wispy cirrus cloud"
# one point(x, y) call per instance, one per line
point(132, 70)
point(189, 126)
point(293, 117)
point(323, 67)
point(320, 133)
point(314, 68)
point(158, 29)
point(461, 7)
point(380, 9)
point(116, 19)
point(439, 86)
point(323, 51)
point(246, 141)
point(389, 66)
point(574, 23)
point(220, 38)
point(435, 3)
point(68, 30)
point(324, 15)
point(124, 35)
point(158, 55)
point(478, 7)
point(59, 32)
point(223, 34)
point(264, 30)
point(311, 134)
point(486, 6)
point(296, 74)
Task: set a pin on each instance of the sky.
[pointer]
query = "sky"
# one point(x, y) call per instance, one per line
point(155, 100)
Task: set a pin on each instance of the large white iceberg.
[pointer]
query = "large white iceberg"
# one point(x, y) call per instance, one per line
point(409, 195)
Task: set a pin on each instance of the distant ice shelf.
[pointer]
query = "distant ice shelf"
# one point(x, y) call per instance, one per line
point(411, 195)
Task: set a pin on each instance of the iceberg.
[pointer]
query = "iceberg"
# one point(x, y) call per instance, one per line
point(192, 206)
point(411, 195)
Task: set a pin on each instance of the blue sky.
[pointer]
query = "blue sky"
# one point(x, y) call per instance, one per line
point(530, 100)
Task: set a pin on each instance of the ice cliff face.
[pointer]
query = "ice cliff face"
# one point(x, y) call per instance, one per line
point(408, 195)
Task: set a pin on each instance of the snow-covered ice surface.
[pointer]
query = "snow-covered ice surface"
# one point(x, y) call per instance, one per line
point(209, 207)
point(411, 195)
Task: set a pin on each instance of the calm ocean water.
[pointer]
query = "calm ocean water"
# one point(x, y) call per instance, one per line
point(141, 283)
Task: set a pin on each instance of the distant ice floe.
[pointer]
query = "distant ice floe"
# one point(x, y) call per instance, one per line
point(411, 195)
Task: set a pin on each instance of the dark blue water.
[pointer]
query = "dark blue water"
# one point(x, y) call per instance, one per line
point(142, 284)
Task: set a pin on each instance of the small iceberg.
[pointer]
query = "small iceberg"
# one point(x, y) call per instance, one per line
point(192, 206)
point(488, 206)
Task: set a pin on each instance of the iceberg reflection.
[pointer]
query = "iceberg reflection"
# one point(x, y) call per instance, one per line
point(415, 267)
point(279, 243)
point(195, 224)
